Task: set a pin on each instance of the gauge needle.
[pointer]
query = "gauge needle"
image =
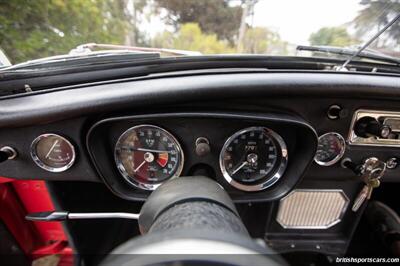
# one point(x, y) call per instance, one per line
point(143, 149)
point(150, 150)
point(51, 149)
point(137, 169)
point(239, 167)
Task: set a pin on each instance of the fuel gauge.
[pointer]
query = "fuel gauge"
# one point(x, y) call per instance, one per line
point(53, 152)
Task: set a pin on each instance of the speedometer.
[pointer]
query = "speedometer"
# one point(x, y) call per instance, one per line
point(253, 159)
point(148, 155)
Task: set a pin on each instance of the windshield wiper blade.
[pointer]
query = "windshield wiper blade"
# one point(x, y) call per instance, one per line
point(100, 57)
point(88, 47)
point(85, 54)
point(349, 52)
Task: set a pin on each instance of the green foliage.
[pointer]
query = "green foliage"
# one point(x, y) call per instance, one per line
point(376, 14)
point(331, 36)
point(191, 37)
point(39, 28)
point(260, 40)
point(31, 29)
point(213, 16)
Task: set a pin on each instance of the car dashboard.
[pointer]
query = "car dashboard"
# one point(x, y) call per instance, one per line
point(276, 142)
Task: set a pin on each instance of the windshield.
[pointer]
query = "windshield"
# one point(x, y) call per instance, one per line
point(36, 29)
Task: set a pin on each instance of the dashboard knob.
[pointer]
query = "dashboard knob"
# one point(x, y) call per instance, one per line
point(202, 146)
point(7, 153)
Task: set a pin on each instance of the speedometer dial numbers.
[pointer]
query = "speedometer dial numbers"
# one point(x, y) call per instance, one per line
point(147, 155)
point(253, 159)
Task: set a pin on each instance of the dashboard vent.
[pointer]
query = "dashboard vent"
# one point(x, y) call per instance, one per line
point(312, 209)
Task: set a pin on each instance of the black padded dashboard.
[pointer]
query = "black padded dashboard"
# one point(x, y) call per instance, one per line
point(171, 91)
point(301, 96)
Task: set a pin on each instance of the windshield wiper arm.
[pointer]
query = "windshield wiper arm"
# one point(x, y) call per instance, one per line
point(349, 52)
point(388, 25)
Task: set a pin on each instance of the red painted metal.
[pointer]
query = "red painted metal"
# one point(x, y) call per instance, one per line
point(67, 257)
point(35, 198)
point(54, 248)
point(5, 180)
point(36, 239)
point(13, 216)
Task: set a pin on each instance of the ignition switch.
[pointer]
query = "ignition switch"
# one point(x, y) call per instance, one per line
point(370, 172)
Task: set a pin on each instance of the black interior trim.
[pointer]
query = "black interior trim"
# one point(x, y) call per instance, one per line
point(59, 105)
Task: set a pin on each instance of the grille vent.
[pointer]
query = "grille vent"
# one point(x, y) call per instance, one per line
point(312, 209)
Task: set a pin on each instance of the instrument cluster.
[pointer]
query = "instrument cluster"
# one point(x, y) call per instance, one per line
point(252, 159)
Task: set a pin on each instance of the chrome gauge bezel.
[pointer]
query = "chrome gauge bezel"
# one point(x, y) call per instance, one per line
point(44, 166)
point(131, 180)
point(271, 178)
point(339, 155)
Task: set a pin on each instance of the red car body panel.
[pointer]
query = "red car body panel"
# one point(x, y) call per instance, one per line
point(35, 239)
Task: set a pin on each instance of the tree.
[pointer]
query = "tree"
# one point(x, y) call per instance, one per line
point(247, 7)
point(213, 16)
point(34, 29)
point(332, 36)
point(259, 40)
point(376, 14)
point(190, 37)
point(134, 10)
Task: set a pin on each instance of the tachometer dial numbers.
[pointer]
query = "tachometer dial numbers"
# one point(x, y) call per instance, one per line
point(147, 155)
point(331, 147)
point(253, 159)
point(53, 152)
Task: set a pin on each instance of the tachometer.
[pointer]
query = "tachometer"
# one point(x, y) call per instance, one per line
point(331, 147)
point(253, 159)
point(148, 155)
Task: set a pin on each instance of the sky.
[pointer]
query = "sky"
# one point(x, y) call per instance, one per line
point(295, 20)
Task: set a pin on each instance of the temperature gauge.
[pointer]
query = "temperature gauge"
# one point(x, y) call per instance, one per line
point(331, 147)
point(53, 152)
